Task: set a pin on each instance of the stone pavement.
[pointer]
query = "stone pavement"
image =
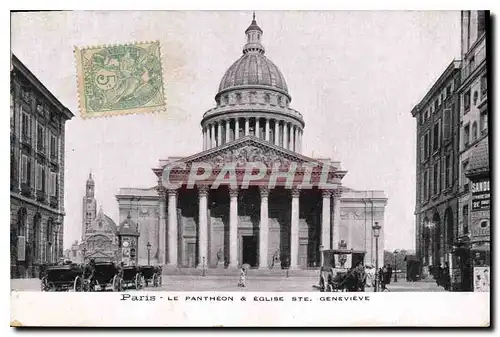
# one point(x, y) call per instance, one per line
point(254, 283)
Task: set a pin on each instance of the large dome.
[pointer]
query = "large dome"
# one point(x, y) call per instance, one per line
point(253, 69)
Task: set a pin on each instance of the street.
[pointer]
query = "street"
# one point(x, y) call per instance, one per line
point(253, 283)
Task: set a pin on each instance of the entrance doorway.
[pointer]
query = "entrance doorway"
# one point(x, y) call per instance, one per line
point(249, 250)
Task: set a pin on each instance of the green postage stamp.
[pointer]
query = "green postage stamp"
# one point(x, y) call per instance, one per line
point(120, 79)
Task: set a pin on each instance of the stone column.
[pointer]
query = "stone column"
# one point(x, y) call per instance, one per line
point(276, 132)
point(233, 228)
point(203, 226)
point(203, 136)
point(228, 127)
point(296, 139)
point(300, 141)
point(237, 128)
point(294, 230)
point(266, 132)
point(247, 126)
point(291, 143)
point(263, 227)
point(325, 219)
point(285, 135)
point(211, 136)
point(257, 127)
point(336, 218)
point(219, 133)
point(172, 227)
point(162, 232)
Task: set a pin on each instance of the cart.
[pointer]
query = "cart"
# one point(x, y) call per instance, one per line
point(105, 274)
point(151, 275)
point(342, 270)
point(132, 277)
point(64, 278)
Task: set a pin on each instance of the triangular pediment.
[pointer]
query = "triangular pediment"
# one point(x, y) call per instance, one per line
point(246, 150)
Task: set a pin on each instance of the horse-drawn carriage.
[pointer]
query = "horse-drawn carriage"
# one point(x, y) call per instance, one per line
point(342, 270)
point(151, 275)
point(64, 277)
point(132, 277)
point(103, 274)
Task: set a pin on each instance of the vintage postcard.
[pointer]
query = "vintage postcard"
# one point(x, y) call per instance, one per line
point(250, 168)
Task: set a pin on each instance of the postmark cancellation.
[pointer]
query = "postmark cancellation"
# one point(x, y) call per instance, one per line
point(120, 79)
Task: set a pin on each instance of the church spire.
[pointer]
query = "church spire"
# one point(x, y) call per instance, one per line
point(90, 186)
point(254, 34)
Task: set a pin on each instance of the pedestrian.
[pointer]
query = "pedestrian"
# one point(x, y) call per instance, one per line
point(446, 276)
point(242, 282)
point(381, 279)
point(389, 274)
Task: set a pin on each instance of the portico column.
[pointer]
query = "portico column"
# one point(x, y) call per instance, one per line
point(296, 139)
point(205, 138)
point(294, 230)
point(276, 130)
point(257, 127)
point(266, 132)
point(219, 133)
point(285, 135)
point(300, 141)
point(202, 226)
point(325, 219)
point(162, 233)
point(237, 128)
point(172, 227)
point(233, 228)
point(247, 126)
point(292, 138)
point(336, 218)
point(228, 126)
point(263, 227)
point(211, 136)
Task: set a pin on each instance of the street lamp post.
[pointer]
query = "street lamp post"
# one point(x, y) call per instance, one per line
point(376, 233)
point(395, 266)
point(149, 252)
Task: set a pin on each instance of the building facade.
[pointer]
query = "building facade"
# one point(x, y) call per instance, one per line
point(436, 207)
point(99, 232)
point(205, 224)
point(37, 131)
point(473, 125)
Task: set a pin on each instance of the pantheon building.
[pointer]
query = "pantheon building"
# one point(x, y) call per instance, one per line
point(284, 225)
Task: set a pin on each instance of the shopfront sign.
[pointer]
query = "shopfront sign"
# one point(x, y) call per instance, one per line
point(480, 195)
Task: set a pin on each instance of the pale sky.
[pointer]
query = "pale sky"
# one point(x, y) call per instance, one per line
point(354, 76)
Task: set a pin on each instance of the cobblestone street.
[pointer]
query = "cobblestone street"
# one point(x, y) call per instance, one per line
point(255, 283)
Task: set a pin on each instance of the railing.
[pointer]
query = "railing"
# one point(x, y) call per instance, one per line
point(40, 195)
point(26, 139)
point(26, 190)
point(53, 201)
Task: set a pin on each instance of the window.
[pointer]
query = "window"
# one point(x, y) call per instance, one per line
point(481, 22)
point(40, 177)
point(435, 181)
point(465, 180)
point(483, 121)
point(465, 215)
point(53, 146)
point(74, 253)
point(52, 184)
point(25, 169)
point(280, 101)
point(447, 124)
point(40, 134)
point(267, 98)
point(238, 98)
point(422, 149)
point(484, 85)
point(448, 90)
point(12, 121)
point(436, 137)
point(466, 136)
point(448, 171)
point(428, 114)
point(484, 224)
point(426, 145)
point(436, 104)
point(467, 101)
point(474, 131)
point(426, 185)
point(26, 126)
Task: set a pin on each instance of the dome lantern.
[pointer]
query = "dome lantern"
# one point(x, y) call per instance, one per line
point(254, 34)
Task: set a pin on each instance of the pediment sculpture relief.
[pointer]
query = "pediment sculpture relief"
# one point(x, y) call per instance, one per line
point(248, 154)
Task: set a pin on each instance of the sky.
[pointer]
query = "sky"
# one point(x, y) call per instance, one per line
point(354, 76)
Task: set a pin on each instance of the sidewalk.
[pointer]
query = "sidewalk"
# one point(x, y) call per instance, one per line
point(24, 284)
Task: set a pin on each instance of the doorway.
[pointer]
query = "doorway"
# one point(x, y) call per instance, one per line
point(249, 250)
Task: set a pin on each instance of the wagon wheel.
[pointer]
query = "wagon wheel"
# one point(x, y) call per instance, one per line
point(78, 284)
point(159, 280)
point(137, 282)
point(117, 283)
point(45, 284)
